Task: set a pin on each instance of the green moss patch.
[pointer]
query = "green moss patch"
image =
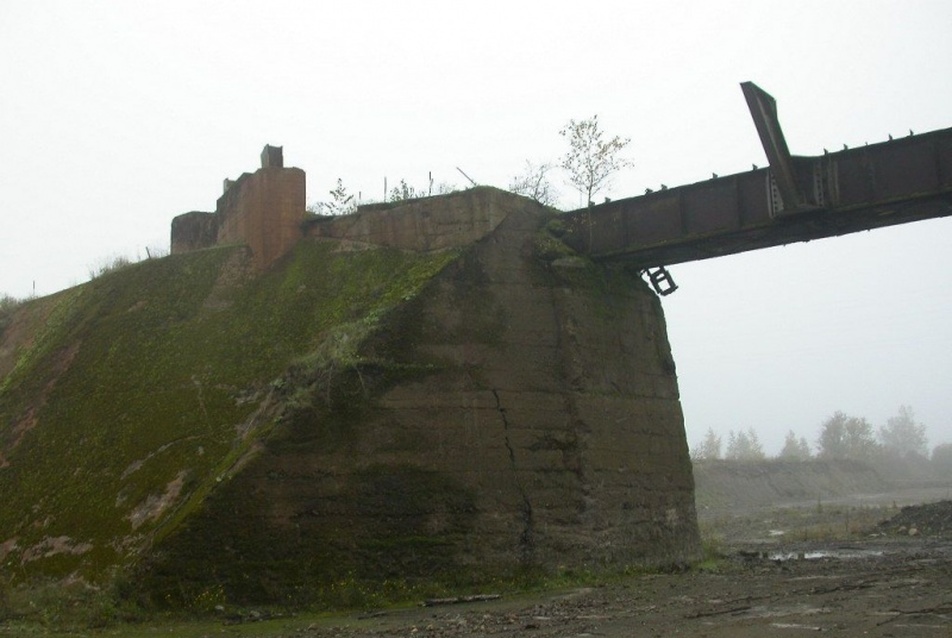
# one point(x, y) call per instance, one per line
point(137, 395)
point(387, 530)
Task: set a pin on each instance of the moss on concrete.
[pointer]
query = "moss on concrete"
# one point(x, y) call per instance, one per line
point(324, 556)
point(135, 398)
point(350, 426)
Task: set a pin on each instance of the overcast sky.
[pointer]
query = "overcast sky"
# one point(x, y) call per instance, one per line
point(117, 116)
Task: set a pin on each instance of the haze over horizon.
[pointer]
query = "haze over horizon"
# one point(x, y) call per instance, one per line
point(119, 116)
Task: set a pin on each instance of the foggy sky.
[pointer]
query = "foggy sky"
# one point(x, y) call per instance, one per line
point(117, 116)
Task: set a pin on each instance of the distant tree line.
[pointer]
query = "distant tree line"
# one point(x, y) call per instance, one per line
point(898, 447)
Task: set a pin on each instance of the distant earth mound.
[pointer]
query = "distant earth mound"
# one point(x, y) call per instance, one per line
point(929, 519)
point(739, 485)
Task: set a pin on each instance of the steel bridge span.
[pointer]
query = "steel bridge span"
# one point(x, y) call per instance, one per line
point(795, 199)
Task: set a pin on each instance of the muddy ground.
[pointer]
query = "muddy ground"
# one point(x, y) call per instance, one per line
point(882, 587)
point(856, 567)
point(859, 566)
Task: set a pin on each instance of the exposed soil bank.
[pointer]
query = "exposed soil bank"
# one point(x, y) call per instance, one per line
point(730, 485)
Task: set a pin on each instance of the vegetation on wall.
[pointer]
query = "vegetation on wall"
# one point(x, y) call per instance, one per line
point(143, 387)
point(592, 159)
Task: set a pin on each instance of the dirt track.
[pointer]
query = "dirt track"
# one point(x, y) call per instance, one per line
point(878, 588)
point(892, 577)
point(882, 582)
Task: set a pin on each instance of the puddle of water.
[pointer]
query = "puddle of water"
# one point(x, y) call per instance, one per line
point(790, 625)
point(840, 554)
point(785, 611)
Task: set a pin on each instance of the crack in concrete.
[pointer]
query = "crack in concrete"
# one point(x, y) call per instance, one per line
point(564, 345)
point(526, 538)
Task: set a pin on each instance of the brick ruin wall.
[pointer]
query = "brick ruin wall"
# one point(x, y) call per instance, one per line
point(266, 210)
point(263, 210)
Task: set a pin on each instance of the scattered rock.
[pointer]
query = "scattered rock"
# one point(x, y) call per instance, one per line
point(930, 519)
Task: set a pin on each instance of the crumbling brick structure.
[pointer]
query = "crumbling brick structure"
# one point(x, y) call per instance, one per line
point(263, 210)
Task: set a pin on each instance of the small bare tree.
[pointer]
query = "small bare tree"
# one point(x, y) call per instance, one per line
point(534, 183)
point(592, 158)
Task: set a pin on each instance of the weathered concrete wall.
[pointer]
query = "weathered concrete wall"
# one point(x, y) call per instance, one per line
point(432, 223)
point(521, 413)
point(557, 405)
point(194, 231)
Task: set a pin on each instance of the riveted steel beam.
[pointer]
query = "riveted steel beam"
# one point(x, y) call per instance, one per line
point(893, 182)
point(763, 108)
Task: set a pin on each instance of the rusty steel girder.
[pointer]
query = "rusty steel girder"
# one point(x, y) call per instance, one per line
point(795, 199)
